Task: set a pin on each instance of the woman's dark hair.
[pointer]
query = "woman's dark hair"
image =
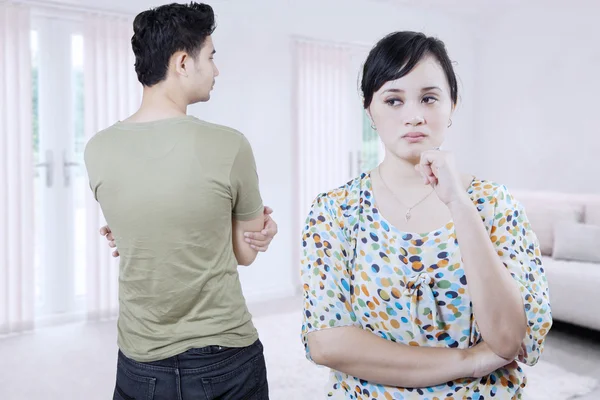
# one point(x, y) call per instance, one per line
point(160, 32)
point(396, 55)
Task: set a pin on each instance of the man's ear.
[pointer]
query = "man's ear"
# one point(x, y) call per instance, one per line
point(180, 60)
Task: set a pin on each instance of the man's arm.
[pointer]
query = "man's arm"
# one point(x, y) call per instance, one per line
point(244, 253)
point(261, 240)
point(258, 240)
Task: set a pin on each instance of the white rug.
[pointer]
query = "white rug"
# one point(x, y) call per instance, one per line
point(78, 362)
point(292, 376)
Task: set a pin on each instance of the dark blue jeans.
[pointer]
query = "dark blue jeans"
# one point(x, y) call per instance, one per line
point(207, 373)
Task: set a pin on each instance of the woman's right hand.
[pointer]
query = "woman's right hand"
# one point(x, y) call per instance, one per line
point(484, 361)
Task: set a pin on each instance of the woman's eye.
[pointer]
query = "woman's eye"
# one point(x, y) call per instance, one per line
point(429, 100)
point(393, 102)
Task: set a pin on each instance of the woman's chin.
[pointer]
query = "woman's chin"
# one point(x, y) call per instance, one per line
point(412, 152)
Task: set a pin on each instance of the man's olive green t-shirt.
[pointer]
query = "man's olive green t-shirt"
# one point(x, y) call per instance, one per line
point(168, 190)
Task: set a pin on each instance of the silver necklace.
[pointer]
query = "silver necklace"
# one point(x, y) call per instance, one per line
point(409, 209)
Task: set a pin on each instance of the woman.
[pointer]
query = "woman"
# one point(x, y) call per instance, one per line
point(420, 282)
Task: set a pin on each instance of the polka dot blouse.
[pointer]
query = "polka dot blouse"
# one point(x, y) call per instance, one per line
point(359, 270)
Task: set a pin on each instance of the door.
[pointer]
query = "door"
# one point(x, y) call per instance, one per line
point(60, 183)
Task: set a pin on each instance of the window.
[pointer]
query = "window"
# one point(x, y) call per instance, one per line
point(370, 145)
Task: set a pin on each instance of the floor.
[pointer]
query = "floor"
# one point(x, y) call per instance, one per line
point(573, 348)
point(576, 350)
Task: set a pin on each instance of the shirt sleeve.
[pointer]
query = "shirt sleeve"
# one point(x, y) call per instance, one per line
point(519, 250)
point(324, 271)
point(90, 165)
point(247, 202)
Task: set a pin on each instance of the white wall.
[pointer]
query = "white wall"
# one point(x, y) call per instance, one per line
point(253, 94)
point(537, 116)
point(527, 116)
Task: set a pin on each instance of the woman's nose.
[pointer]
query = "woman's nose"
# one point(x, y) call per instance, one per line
point(415, 120)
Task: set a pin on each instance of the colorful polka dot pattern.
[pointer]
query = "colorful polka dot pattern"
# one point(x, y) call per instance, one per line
point(359, 270)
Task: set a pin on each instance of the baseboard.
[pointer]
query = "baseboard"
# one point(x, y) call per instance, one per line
point(59, 319)
point(16, 329)
point(106, 315)
point(75, 317)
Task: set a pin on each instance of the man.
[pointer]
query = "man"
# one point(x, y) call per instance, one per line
point(180, 196)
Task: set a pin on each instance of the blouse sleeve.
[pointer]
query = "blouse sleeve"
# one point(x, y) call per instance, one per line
point(518, 248)
point(324, 271)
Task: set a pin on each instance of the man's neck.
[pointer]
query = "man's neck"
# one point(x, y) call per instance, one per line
point(158, 104)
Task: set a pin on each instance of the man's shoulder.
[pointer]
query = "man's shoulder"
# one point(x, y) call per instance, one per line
point(98, 139)
point(228, 137)
point(216, 128)
point(222, 138)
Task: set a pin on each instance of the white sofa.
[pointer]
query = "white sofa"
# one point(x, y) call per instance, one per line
point(568, 229)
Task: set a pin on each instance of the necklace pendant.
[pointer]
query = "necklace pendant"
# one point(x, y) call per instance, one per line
point(407, 215)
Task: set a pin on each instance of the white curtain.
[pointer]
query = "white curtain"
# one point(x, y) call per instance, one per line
point(327, 118)
point(16, 172)
point(112, 93)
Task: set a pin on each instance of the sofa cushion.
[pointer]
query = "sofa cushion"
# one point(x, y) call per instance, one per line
point(576, 242)
point(592, 212)
point(543, 216)
point(573, 287)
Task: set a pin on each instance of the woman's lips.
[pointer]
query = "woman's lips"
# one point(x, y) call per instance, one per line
point(414, 137)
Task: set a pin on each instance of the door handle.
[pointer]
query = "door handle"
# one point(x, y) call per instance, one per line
point(67, 169)
point(49, 166)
